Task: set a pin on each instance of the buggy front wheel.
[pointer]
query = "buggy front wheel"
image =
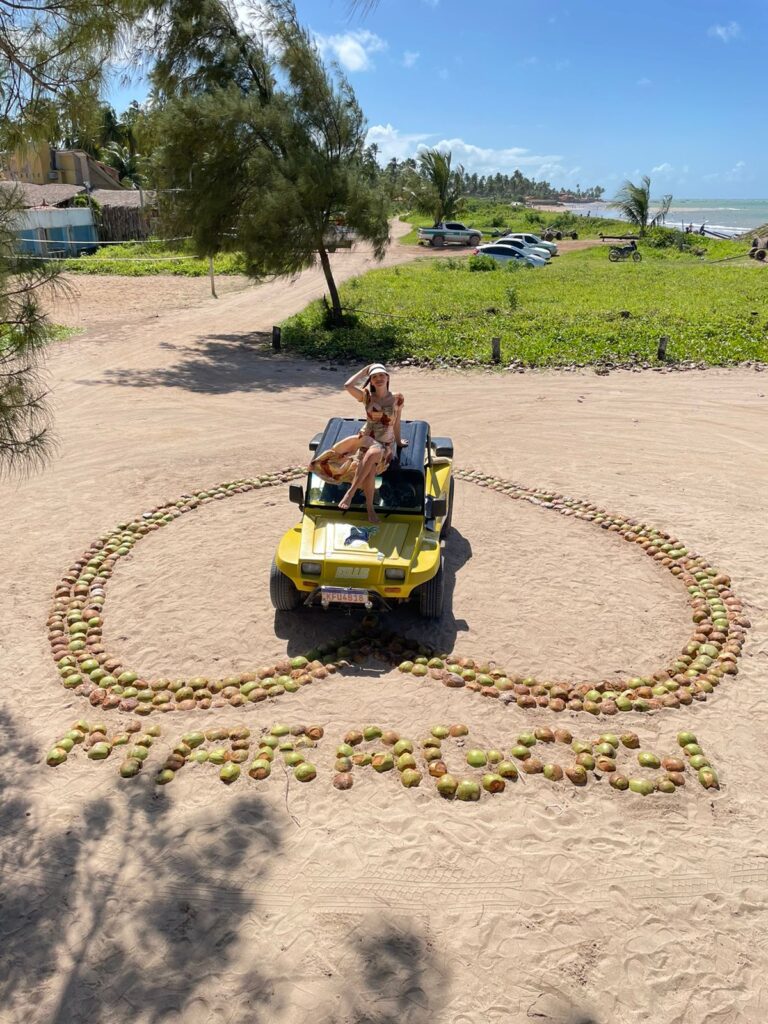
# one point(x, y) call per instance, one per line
point(283, 594)
point(431, 595)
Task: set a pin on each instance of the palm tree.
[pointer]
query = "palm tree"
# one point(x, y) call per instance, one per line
point(128, 164)
point(439, 189)
point(634, 202)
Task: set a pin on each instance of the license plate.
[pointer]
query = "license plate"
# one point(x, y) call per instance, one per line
point(343, 595)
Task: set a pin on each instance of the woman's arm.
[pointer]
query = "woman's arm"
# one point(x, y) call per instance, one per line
point(352, 385)
point(396, 428)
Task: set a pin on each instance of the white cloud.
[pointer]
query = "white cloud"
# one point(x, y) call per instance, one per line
point(725, 33)
point(644, 82)
point(391, 143)
point(528, 61)
point(475, 159)
point(409, 58)
point(482, 160)
point(735, 173)
point(352, 49)
point(443, 74)
point(663, 169)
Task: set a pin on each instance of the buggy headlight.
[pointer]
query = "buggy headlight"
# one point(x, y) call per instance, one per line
point(311, 568)
point(394, 574)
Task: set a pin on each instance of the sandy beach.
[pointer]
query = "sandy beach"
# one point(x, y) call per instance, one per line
point(122, 901)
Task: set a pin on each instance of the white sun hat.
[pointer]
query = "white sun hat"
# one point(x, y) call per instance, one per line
point(377, 368)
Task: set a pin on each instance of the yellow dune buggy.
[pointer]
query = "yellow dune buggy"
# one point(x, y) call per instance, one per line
point(333, 556)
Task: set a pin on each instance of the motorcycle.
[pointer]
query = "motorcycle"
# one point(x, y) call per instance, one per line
point(618, 253)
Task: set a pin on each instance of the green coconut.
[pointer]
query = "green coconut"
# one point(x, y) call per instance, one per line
point(402, 747)
point(383, 762)
point(699, 761)
point(507, 770)
point(410, 777)
point(56, 756)
point(164, 776)
point(553, 772)
point(493, 783)
point(371, 732)
point(527, 739)
point(620, 782)
point(708, 778)
point(520, 752)
point(447, 786)
point(684, 738)
point(130, 767)
point(305, 772)
point(477, 758)
point(647, 759)
point(260, 769)
point(631, 740)
point(467, 789)
point(99, 751)
point(229, 772)
point(642, 786)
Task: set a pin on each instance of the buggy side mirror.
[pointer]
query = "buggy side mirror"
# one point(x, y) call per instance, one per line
point(439, 508)
point(296, 494)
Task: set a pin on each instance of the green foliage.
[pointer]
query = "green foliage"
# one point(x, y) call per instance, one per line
point(569, 312)
point(481, 264)
point(25, 433)
point(290, 161)
point(438, 189)
point(634, 203)
point(152, 258)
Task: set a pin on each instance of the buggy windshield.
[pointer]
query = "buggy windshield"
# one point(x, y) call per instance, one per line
point(395, 491)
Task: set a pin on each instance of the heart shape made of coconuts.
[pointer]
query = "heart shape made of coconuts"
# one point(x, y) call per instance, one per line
point(75, 627)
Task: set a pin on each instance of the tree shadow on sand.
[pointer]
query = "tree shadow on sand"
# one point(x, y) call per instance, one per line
point(223, 364)
point(308, 627)
point(123, 912)
point(392, 975)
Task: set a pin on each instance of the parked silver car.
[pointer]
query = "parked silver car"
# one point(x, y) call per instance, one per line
point(534, 240)
point(518, 243)
point(507, 253)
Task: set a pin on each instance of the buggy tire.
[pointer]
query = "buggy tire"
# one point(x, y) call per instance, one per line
point(283, 594)
point(449, 518)
point(760, 255)
point(636, 257)
point(431, 595)
point(438, 241)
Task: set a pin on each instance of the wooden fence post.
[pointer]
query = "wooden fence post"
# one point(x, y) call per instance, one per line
point(662, 351)
point(496, 350)
point(276, 339)
point(210, 273)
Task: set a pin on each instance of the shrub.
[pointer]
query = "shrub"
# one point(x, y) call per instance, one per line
point(481, 263)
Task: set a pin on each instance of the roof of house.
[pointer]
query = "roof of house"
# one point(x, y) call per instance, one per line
point(124, 197)
point(43, 195)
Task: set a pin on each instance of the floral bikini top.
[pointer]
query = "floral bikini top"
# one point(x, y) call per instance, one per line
point(380, 415)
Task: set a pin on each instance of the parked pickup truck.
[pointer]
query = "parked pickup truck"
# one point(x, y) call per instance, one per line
point(450, 231)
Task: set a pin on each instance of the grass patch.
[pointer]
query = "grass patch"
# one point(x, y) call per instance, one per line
point(152, 257)
point(580, 309)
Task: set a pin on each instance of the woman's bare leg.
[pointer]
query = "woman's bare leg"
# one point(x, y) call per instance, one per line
point(365, 476)
point(345, 447)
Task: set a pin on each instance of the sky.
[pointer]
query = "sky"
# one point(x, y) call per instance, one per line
point(586, 92)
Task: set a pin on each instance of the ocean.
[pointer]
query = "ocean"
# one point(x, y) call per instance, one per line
point(724, 216)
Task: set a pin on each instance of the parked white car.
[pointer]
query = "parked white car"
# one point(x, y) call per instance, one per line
point(518, 243)
point(507, 254)
point(534, 240)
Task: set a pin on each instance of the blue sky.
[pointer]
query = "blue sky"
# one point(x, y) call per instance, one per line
point(574, 92)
